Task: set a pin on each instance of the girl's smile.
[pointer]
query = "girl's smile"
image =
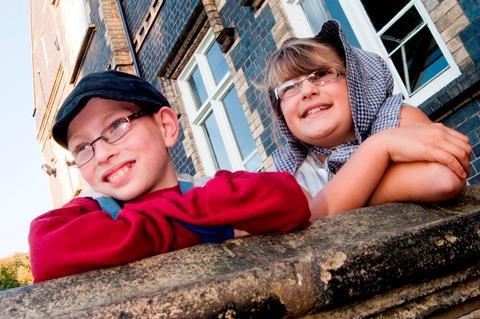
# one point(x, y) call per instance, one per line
point(314, 109)
point(320, 115)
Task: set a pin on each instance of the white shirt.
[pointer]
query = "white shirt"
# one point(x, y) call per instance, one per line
point(312, 174)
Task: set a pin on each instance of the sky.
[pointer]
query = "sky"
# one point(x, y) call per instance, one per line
point(23, 184)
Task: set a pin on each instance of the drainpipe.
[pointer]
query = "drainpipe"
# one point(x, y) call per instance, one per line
point(129, 41)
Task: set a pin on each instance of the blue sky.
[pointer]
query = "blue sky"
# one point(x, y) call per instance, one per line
point(23, 184)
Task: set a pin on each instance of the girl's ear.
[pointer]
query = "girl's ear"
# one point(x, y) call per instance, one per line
point(167, 121)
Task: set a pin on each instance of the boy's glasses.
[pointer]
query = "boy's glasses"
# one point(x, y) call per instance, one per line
point(293, 87)
point(84, 152)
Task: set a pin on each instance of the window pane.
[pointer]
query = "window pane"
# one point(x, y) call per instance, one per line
point(253, 163)
point(239, 124)
point(217, 62)
point(400, 30)
point(408, 41)
point(419, 60)
point(318, 11)
point(199, 92)
point(381, 12)
point(216, 143)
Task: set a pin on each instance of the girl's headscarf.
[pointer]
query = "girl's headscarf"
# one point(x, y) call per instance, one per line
point(374, 109)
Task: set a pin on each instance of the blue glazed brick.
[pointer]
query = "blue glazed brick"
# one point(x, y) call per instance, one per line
point(471, 31)
point(476, 154)
point(471, 39)
point(470, 125)
point(475, 163)
point(182, 163)
point(269, 149)
point(99, 53)
point(474, 179)
point(453, 91)
point(473, 170)
point(471, 8)
point(463, 114)
point(474, 50)
point(135, 13)
point(474, 138)
point(163, 35)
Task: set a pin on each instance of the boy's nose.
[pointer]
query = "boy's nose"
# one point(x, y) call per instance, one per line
point(104, 151)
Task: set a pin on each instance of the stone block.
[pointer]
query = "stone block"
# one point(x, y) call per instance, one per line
point(442, 9)
point(430, 4)
point(379, 261)
point(455, 28)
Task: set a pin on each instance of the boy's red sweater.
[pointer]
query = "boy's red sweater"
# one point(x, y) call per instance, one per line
point(79, 236)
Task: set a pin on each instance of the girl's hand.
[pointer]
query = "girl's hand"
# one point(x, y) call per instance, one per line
point(428, 143)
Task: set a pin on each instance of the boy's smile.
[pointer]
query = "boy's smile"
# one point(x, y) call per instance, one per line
point(118, 174)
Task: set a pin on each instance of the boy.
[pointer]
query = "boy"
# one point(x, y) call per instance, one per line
point(349, 141)
point(119, 128)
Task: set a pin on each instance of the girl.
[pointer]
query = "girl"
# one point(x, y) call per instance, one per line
point(349, 141)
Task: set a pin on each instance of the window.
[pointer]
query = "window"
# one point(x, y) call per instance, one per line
point(399, 30)
point(78, 32)
point(75, 23)
point(215, 113)
point(307, 17)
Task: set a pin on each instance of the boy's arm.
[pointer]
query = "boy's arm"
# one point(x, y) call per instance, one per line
point(419, 181)
point(252, 202)
point(80, 237)
point(355, 182)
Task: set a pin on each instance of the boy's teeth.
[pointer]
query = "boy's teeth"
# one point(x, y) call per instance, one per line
point(118, 174)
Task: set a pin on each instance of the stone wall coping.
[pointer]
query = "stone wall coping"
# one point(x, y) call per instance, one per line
point(369, 261)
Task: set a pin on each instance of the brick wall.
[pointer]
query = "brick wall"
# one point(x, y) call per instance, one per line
point(99, 53)
point(162, 36)
point(135, 12)
point(458, 104)
point(257, 34)
point(249, 54)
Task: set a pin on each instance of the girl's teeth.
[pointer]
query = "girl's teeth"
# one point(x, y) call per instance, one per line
point(316, 110)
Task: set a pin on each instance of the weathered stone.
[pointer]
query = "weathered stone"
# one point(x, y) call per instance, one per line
point(390, 261)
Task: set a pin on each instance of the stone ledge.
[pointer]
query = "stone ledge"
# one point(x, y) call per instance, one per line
point(391, 261)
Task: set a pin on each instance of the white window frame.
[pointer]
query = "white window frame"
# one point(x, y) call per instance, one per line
point(297, 18)
point(370, 41)
point(196, 117)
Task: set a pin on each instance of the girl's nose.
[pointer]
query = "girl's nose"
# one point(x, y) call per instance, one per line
point(308, 89)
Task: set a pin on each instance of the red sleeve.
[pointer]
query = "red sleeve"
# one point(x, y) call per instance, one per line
point(254, 202)
point(80, 237)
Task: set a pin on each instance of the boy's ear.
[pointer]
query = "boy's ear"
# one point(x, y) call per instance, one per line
point(167, 121)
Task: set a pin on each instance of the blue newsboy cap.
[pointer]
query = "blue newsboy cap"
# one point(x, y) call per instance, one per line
point(111, 85)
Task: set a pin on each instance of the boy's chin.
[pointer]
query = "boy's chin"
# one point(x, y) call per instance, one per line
point(123, 196)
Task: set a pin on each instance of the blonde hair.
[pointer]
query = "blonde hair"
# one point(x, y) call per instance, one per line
point(297, 57)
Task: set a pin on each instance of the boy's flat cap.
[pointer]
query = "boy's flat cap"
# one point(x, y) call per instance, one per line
point(111, 85)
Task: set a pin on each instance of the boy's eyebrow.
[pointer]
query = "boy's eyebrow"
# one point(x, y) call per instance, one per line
point(109, 118)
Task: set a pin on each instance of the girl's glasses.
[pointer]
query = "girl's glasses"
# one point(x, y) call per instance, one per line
point(293, 87)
